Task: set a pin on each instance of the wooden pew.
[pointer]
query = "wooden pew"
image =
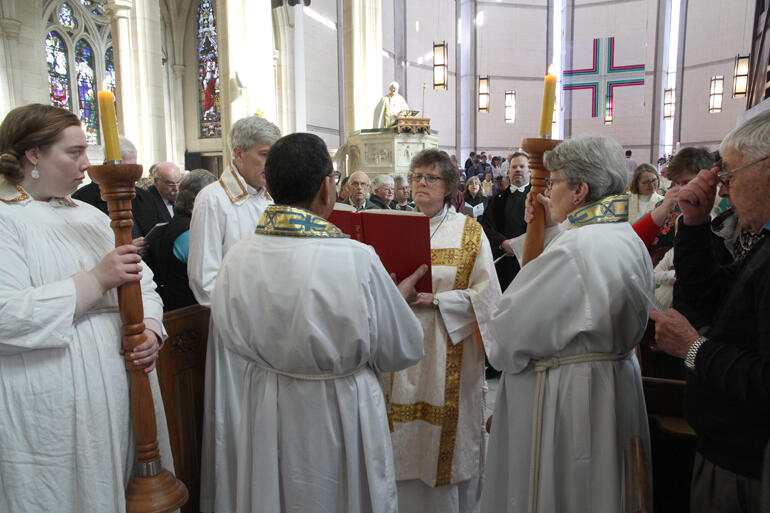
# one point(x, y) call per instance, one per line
point(636, 477)
point(181, 372)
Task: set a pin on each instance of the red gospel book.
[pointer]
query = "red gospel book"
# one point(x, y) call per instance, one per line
point(401, 239)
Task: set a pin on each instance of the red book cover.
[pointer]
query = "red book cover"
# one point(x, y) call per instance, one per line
point(401, 239)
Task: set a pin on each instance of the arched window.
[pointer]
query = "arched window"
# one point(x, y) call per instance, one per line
point(78, 50)
point(208, 72)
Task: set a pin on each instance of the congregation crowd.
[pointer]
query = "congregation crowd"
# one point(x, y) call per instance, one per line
point(329, 386)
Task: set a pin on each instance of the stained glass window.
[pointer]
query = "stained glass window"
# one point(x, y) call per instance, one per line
point(109, 70)
point(208, 72)
point(66, 18)
point(84, 69)
point(78, 39)
point(58, 74)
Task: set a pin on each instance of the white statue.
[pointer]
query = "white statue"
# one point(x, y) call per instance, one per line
point(389, 107)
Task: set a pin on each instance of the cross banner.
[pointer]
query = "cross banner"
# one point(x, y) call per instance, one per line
point(603, 77)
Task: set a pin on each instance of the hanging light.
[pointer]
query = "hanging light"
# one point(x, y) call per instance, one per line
point(440, 70)
point(741, 76)
point(668, 104)
point(484, 93)
point(510, 106)
point(608, 110)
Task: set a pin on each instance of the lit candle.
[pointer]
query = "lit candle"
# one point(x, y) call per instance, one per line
point(549, 98)
point(109, 125)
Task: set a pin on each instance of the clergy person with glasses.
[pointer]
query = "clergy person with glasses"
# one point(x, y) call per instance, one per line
point(316, 317)
point(503, 218)
point(728, 378)
point(436, 408)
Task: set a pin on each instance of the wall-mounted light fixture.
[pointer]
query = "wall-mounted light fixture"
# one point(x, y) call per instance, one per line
point(440, 69)
point(741, 76)
point(668, 104)
point(716, 89)
point(484, 93)
point(510, 106)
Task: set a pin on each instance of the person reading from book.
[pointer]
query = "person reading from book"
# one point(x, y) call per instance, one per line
point(472, 196)
point(436, 407)
point(358, 191)
point(488, 187)
point(384, 190)
point(313, 436)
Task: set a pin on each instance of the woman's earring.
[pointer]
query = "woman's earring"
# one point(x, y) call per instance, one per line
point(35, 173)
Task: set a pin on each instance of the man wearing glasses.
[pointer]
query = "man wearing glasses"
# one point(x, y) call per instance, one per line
point(728, 383)
point(358, 190)
point(166, 178)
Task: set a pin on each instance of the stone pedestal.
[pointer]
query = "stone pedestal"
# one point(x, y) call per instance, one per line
point(380, 151)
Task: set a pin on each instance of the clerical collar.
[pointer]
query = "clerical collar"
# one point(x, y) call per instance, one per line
point(286, 221)
point(235, 186)
point(610, 209)
point(520, 189)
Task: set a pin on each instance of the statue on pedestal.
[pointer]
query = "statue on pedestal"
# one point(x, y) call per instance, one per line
point(389, 107)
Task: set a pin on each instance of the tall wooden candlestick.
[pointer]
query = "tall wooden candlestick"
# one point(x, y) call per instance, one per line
point(154, 489)
point(533, 244)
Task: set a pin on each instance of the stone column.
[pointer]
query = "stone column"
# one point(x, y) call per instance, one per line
point(465, 64)
point(362, 26)
point(177, 112)
point(10, 71)
point(136, 26)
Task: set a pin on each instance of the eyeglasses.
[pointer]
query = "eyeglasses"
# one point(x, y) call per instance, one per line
point(358, 184)
point(550, 181)
point(649, 182)
point(172, 185)
point(429, 179)
point(724, 174)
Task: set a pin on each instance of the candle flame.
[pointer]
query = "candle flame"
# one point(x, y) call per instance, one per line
point(105, 85)
point(551, 70)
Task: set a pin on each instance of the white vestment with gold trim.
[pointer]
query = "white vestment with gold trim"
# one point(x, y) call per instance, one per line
point(225, 212)
point(436, 407)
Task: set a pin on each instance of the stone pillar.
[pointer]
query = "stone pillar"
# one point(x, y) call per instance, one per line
point(176, 89)
point(362, 26)
point(465, 64)
point(10, 71)
point(136, 27)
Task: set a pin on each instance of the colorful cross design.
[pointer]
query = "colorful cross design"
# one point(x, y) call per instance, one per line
point(603, 83)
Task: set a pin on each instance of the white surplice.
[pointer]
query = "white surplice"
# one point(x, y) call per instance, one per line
point(313, 306)
point(437, 406)
point(577, 297)
point(225, 212)
point(639, 206)
point(66, 439)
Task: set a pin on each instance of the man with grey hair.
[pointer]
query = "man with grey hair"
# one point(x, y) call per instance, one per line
point(165, 186)
point(389, 106)
point(225, 212)
point(728, 378)
point(384, 191)
point(358, 189)
point(402, 190)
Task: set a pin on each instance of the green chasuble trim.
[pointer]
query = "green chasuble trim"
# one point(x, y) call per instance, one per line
point(286, 221)
point(610, 209)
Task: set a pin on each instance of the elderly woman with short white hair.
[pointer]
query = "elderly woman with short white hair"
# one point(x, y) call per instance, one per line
point(384, 190)
point(571, 390)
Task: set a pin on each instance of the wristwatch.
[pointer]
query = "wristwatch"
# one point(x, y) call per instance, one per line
point(689, 360)
point(435, 300)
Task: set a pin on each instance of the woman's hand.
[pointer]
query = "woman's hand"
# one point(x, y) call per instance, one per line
point(145, 353)
point(119, 266)
point(529, 209)
point(422, 299)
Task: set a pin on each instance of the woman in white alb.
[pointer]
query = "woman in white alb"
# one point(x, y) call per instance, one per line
point(66, 441)
point(571, 389)
point(436, 407)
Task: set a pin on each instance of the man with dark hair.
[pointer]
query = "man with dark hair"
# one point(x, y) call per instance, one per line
point(469, 160)
point(503, 218)
point(315, 316)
